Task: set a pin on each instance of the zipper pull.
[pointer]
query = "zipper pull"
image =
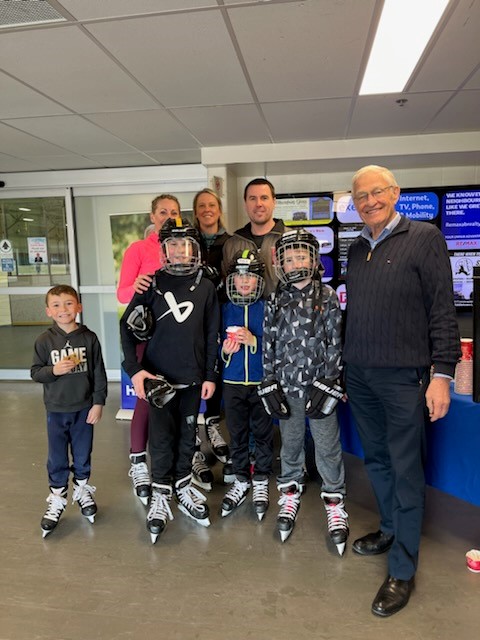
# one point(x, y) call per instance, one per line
point(369, 256)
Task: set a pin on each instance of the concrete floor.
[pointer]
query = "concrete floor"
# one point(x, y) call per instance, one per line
point(232, 581)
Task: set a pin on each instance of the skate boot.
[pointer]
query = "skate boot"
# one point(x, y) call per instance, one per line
point(140, 476)
point(260, 497)
point(228, 475)
point(191, 502)
point(83, 494)
point(217, 444)
point(289, 502)
point(57, 501)
point(337, 519)
point(234, 496)
point(202, 475)
point(159, 513)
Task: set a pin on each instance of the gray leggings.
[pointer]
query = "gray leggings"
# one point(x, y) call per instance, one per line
point(328, 451)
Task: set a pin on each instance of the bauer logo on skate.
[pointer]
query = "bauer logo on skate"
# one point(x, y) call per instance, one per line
point(77, 354)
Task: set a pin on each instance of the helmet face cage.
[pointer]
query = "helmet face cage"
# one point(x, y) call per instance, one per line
point(245, 282)
point(182, 254)
point(296, 257)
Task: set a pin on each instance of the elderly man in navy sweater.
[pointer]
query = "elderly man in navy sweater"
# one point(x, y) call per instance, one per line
point(400, 321)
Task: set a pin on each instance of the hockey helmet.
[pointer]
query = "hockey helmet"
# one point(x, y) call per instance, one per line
point(181, 247)
point(245, 280)
point(296, 256)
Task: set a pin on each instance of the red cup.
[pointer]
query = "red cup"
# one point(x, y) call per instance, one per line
point(466, 345)
point(473, 560)
point(232, 332)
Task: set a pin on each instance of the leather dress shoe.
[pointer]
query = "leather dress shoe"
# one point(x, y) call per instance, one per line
point(392, 596)
point(373, 543)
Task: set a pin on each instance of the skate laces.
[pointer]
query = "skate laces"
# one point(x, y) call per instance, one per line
point(337, 517)
point(260, 491)
point(139, 474)
point(214, 435)
point(199, 463)
point(289, 503)
point(237, 490)
point(159, 507)
point(56, 504)
point(189, 497)
point(83, 494)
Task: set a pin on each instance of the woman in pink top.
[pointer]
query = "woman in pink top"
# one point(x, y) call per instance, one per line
point(140, 261)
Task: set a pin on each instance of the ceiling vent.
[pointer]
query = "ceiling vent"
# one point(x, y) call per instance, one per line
point(19, 13)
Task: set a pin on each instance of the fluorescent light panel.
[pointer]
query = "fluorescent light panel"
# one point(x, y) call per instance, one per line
point(403, 32)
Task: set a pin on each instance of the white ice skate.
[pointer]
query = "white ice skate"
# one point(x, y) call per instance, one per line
point(337, 519)
point(159, 513)
point(57, 501)
point(140, 477)
point(234, 497)
point(289, 502)
point(191, 502)
point(83, 494)
point(260, 497)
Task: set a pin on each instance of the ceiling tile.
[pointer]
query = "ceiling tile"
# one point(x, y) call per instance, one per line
point(88, 9)
point(121, 159)
point(18, 101)
point(462, 113)
point(20, 144)
point(177, 156)
point(72, 133)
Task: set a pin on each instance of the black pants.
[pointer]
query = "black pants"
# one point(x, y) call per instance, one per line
point(244, 412)
point(171, 437)
point(388, 405)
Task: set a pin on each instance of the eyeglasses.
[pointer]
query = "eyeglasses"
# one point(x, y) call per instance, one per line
point(361, 198)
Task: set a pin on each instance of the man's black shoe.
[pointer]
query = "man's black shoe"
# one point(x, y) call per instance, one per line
point(373, 543)
point(392, 596)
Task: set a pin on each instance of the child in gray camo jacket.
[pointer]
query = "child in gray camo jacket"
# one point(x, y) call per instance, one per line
point(302, 361)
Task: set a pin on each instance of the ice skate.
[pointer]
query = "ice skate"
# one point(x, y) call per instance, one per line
point(289, 502)
point(228, 475)
point(217, 444)
point(140, 476)
point(337, 519)
point(191, 502)
point(202, 475)
point(234, 496)
point(83, 494)
point(159, 513)
point(57, 501)
point(260, 497)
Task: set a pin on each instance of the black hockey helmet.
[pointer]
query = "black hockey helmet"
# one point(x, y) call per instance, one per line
point(247, 290)
point(181, 247)
point(296, 256)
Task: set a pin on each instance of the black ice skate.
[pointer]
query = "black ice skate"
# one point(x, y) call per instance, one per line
point(159, 513)
point(228, 475)
point(140, 476)
point(202, 475)
point(217, 444)
point(57, 501)
point(260, 497)
point(83, 494)
point(337, 519)
point(234, 496)
point(191, 502)
point(289, 502)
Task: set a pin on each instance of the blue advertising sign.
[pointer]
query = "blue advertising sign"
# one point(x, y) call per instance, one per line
point(421, 205)
point(129, 397)
point(461, 219)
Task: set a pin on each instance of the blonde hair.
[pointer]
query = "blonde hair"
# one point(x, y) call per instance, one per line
point(221, 220)
point(165, 196)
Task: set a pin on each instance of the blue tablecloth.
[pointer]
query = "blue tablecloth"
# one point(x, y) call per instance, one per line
point(453, 448)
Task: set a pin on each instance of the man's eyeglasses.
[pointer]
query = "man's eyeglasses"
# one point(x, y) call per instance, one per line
point(361, 198)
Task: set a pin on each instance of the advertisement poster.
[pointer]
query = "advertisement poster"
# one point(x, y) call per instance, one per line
point(462, 263)
point(461, 219)
point(37, 251)
point(314, 210)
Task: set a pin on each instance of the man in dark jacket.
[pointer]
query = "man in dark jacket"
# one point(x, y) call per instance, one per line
point(400, 321)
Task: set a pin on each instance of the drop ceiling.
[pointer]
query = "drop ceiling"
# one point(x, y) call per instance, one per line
point(131, 83)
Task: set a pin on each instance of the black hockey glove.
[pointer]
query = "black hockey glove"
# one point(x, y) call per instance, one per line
point(273, 399)
point(141, 322)
point(324, 396)
point(158, 391)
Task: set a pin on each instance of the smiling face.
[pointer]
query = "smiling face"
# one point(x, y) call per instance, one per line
point(375, 198)
point(63, 309)
point(207, 212)
point(259, 206)
point(164, 209)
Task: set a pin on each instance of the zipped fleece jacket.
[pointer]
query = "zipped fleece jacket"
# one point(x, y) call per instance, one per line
point(82, 387)
point(142, 256)
point(245, 366)
point(184, 343)
point(400, 309)
point(243, 239)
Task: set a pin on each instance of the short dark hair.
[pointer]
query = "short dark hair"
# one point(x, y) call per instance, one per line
point(259, 181)
point(58, 289)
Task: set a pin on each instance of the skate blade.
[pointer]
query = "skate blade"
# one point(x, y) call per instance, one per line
point(90, 518)
point(284, 535)
point(206, 486)
point(261, 515)
point(205, 522)
point(45, 533)
point(153, 537)
point(341, 548)
point(227, 512)
point(143, 499)
point(222, 459)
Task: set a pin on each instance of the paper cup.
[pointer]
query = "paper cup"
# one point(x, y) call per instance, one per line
point(232, 332)
point(466, 345)
point(473, 560)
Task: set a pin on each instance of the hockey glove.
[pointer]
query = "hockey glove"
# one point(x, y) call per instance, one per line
point(141, 322)
point(158, 391)
point(324, 396)
point(273, 399)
